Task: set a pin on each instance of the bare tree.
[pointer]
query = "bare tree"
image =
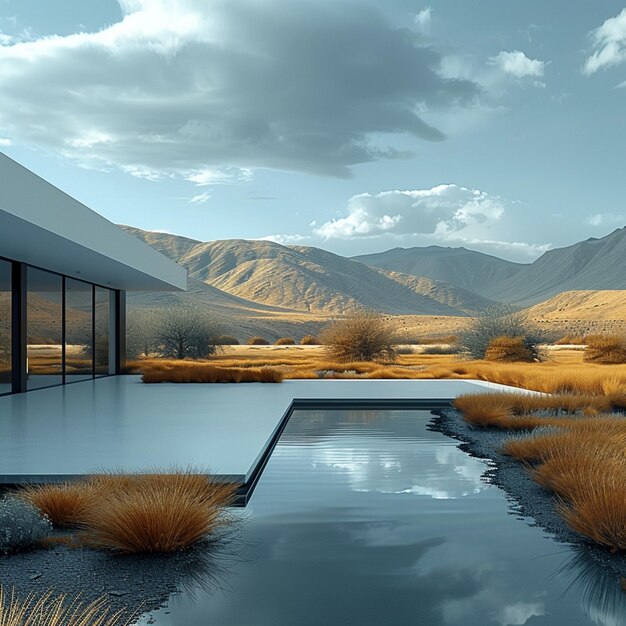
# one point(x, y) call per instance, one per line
point(141, 333)
point(187, 331)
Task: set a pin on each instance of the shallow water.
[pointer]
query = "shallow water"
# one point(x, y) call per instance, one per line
point(367, 517)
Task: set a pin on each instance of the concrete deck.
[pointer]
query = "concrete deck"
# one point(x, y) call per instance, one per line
point(120, 423)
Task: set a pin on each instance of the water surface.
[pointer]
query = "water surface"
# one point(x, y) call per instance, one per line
point(368, 517)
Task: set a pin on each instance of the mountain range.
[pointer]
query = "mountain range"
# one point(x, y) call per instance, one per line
point(587, 265)
point(255, 283)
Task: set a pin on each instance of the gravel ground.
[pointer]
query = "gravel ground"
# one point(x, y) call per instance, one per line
point(527, 498)
point(136, 583)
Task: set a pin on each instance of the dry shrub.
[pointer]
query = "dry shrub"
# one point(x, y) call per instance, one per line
point(508, 350)
point(285, 341)
point(226, 340)
point(156, 512)
point(362, 336)
point(309, 340)
point(204, 373)
point(605, 349)
point(49, 610)
point(257, 341)
point(64, 504)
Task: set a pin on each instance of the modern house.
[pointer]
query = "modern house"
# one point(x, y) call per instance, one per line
point(64, 272)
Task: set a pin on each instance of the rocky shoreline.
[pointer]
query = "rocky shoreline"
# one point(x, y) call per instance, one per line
point(528, 499)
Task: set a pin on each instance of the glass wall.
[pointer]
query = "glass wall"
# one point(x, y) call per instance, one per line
point(5, 327)
point(78, 330)
point(69, 329)
point(103, 321)
point(44, 328)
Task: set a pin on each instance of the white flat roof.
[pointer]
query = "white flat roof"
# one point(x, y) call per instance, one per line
point(43, 226)
point(120, 423)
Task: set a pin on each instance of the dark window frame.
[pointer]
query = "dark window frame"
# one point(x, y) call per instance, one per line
point(19, 327)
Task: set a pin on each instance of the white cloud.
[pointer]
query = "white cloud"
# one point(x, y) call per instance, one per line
point(423, 20)
point(441, 211)
point(286, 240)
point(449, 215)
point(517, 64)
point(5, 142)
point(201, 198)
point(519, 613)
point(197, 86)
point(609, 42)
point(602, 219)
point(221, 176)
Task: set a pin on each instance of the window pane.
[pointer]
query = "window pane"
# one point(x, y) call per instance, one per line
point(102, 331)
point(44, 326)
point(5, 327)
point(78, 331)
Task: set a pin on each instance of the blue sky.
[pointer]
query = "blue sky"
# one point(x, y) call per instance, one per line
point(354, 126)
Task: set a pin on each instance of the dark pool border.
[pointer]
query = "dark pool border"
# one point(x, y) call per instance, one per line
point(245, 492)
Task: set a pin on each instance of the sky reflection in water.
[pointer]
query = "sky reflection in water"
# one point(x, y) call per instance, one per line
point(369, 518)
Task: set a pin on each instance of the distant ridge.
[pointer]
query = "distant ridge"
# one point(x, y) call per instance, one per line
point(307, 279)
point(460, 267)
point(596, 263)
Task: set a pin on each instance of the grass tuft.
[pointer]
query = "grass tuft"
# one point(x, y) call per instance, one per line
point(156, 512)
point(64, 504)
point(49, 610)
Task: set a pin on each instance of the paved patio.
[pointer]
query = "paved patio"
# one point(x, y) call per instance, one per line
point(120, 423)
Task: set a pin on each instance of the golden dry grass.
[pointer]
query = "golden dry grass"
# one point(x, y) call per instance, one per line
point(151, 512)
point(516, 410)
point(57, 610)
point(157, 512)
point(599, 513)
point(64, 504)
point(206, 373)
point(563, 372)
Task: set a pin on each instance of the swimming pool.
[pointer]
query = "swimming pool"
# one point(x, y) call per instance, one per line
point(369, 517)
